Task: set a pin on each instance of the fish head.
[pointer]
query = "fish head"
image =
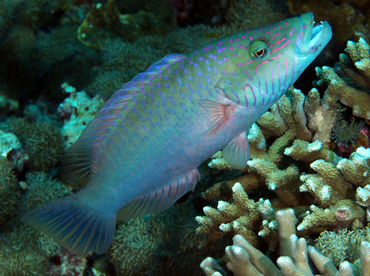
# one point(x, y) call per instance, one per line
point(266, 61)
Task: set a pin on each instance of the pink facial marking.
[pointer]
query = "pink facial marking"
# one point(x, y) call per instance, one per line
point(276, 56)
point(286, 71)
point(286, 22)
point(242, 64)
point(219, 43)
point(237, 39)
point(249, 76)
point(274, 28)
point(291, 32)
point(281, 40)
point(243, 47)
point(232, 48)
point(258, 36)
point(254, 31)
point(282, 46)
point(267, 32)
point(255, 71)
point(261, 29)
point(272, 80)
point(276, 34)
point(251, 38)
point(246, 100)
point(243, 36)
point(230, 41)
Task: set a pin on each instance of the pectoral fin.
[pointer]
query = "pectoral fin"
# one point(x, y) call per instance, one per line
point(236, 153)
point(217, 114)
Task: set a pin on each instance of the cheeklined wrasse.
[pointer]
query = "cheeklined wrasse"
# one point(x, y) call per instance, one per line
point(141, 152)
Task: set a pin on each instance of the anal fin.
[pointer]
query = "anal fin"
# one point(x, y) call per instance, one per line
point(161, 199)
point(236, 153)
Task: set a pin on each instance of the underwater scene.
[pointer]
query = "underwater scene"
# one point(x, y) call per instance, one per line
point(184, 137)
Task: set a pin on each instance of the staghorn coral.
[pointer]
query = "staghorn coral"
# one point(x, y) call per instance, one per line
point(240, 217)
point(349, 81)
point(245, 260)
point(295, 131)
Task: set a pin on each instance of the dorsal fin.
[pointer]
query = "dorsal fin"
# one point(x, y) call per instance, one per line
point(79, 161)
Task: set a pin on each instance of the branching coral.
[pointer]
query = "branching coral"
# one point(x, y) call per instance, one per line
point(245, 260)
point(354, 66)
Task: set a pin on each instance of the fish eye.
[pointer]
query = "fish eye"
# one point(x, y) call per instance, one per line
point(258, 49)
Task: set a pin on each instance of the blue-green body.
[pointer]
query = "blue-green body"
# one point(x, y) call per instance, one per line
point(141, 152)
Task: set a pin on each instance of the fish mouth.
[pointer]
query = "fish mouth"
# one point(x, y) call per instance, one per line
point(315, 36)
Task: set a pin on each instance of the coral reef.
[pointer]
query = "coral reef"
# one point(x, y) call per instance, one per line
point(159, 244)
point(9, 191)
point(77, 111)
point(38, 53)
point(353, 68)
point(306, 150)
point(104, 22)
point(296, 162)
point(244, 259)
point(349, 19)
point(42, 141)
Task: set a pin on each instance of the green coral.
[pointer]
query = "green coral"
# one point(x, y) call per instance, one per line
point(42, 189)
point(159, 244)
point(345, 132)
point(343, 244)
point(42, 141)
point(19, 254)
point(9, 191)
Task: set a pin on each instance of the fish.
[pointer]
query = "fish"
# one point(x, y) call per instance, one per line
point(141, 151)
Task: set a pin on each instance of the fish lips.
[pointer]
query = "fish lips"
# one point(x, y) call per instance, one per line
point(314, 37)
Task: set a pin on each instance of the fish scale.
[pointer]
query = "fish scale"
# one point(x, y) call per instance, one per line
point(141, 152)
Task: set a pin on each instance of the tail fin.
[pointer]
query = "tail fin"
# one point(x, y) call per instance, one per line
point(76, 226)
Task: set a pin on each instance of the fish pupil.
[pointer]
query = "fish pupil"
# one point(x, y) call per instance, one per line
point(259, 53)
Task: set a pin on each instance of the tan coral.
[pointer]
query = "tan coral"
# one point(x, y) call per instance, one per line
point(321, 113)
point(240, 217)
point(282, 182)
point(342, 214)
point(356, 169)
point(355, 66)
point(246, 260)
point(309, 152)
point(328, 185)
